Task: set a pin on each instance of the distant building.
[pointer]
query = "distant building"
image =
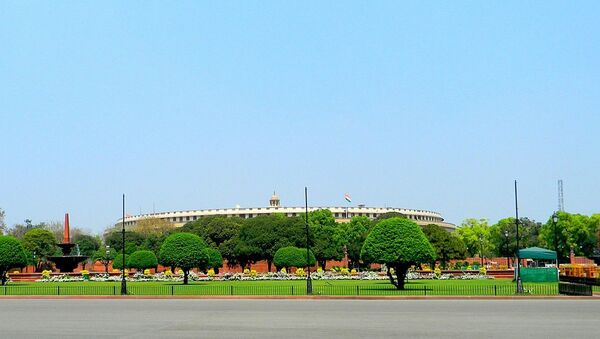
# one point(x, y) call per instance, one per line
point(341, 214)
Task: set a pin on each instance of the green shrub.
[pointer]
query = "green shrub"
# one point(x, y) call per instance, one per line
point(184, 250)
point(292, 257)
point(142, 260)
point(215, 260)
point(118, 261)
point(12, 255)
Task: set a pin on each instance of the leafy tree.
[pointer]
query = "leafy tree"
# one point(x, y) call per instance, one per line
point(324, 237)
point(292, 256)
point(573, 231)
point(40, 243)
point(141, 260)
point(214, 229)
point(133, 241)
point(2, 222)
point(105, 257)
point(152, 242)
point(264, 235)
point(352, 236)
point(88, 244)
point(398, 243)
point(184, 250)
point(215, 260)
point(388, 215)
point(12, 255)
point(503, 236)
point(152, 226)
point(476, 236)
point(447, 245)
point(19, 230)
point(118, 261)
point(219, 232)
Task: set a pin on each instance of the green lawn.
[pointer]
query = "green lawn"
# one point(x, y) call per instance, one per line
point(295, 287)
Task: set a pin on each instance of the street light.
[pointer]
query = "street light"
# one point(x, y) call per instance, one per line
point(308, 279)
point(106, 258)
point(123, 280)
point(554, 224)
point(480, 250)
point(506, 243)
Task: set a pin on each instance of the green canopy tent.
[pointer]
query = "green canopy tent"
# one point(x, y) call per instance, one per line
point(539, 274)
point(537, 253)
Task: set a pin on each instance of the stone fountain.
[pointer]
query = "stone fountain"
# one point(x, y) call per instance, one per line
point(67, 262)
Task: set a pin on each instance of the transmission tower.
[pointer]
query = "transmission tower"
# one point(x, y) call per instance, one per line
point(561, 201)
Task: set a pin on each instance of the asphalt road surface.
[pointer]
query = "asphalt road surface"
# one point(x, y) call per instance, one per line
point(299, 319)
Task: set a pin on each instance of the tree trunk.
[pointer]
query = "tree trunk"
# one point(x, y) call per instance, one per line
point(106, 268)
point(216, 269)
point(3, 278)
point(323, 264)
point(269, 266)
point(185, 276)
point(389, 272)
point(401, 275)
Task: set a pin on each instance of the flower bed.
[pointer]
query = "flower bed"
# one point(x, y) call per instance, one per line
point(250, 275)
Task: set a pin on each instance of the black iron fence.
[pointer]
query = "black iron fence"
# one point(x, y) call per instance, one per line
point(581, 280)
point(326, 290)
point(574, 289)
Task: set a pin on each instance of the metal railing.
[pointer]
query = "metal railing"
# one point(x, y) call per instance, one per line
point(574, 289)
point(581, 280)
point(325, 290)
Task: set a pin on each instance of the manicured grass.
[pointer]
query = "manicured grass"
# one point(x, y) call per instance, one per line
point(293, 287)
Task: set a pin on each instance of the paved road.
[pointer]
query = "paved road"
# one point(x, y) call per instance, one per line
point(299, 318)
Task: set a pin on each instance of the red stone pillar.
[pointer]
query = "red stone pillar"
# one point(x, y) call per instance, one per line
point(67, 235)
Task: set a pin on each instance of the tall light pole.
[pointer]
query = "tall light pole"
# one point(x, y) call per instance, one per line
point(308, 279)
point(554, 226)
point(106, 258)
point(507, 249)
point(123, 280)
point(519, 282)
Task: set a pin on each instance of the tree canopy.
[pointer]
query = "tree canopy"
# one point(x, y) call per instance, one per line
point(142, 260)
point(573, 231)
point(447, 245)
point(325, 241)
point(184, 250)
point(40, 243)
point(398, 243)
point(292, 256)
point(12, 255)
point(352, 235)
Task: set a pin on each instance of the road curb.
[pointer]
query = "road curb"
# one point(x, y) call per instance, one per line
point(299, 297)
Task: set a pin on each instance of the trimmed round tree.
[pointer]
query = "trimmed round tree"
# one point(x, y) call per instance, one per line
point(141, 260)
point(293, 257)
point(398, 243)
point(12, 255)
point(118, 261)
point(215, 260)
point(184, 250)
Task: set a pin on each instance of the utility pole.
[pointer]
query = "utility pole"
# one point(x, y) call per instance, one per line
point(308, 279)
point(123, 280)
point(519, 282)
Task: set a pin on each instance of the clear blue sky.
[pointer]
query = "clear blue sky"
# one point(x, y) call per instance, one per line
point(193, 105)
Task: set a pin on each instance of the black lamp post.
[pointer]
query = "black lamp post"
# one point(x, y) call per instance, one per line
point(519, 282)
point(308, 279)
point(123, 280)
point(507, 255)
point(107, 258)
point(554, 226)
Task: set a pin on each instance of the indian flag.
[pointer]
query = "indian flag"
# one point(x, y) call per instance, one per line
point(347, 197)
